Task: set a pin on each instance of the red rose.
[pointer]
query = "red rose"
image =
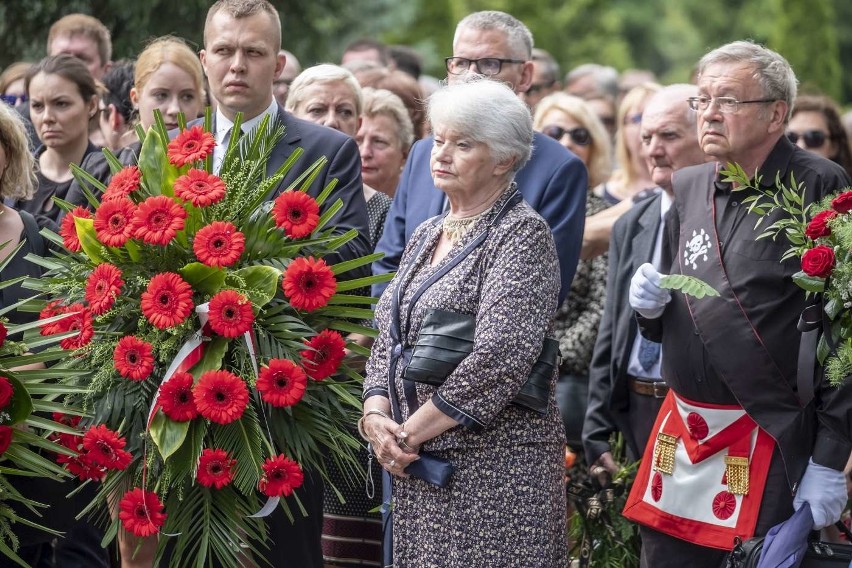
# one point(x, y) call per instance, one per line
point(818, 261)
point(843, 202)
point(5, 438)
point(818, 227)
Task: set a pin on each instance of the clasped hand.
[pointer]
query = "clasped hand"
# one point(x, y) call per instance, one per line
point(388, 440)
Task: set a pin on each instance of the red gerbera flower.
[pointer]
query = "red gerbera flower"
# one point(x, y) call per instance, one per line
point(158, 219)
point(112, 223)
point(324, 354)
point(5, 438)
point(106, 448)
point(81, 321)
point(6, 392)
point(141, 512)
point(124, 182)
point(102, 288)
point(176, 398)
point(200, 188)
point(282, 383)
point(83, 467)
point(191, 145)
point(230, 314)
point(215, 468)
point(220, 396)
point(218, 244)
point(68, 420)
point(281, 476)
point(167, 301)
point(309, 283)
point(68, 230)
point(133, 359)
point(3, 333)
point(53, 308)
point(297, 213)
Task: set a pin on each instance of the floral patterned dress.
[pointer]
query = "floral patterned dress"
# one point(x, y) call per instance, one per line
point(505, 504)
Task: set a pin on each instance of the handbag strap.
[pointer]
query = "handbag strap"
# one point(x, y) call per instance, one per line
point(396, 299)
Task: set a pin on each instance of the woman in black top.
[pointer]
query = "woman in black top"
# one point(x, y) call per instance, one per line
point(63, 98)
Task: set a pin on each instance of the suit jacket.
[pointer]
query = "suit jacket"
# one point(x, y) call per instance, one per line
point(554, 182)
point(631, 245)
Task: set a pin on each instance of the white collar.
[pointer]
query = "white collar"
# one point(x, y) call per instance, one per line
point(665, 204)
point(224, 124)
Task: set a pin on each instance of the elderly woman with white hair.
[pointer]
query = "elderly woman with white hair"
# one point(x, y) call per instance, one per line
point(458, 397)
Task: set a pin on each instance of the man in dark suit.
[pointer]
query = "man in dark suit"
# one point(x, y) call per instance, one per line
point(241, 58)
point(553, 182)
point(625, 388)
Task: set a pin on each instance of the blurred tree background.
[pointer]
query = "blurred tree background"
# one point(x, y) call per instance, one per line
point(665, 37)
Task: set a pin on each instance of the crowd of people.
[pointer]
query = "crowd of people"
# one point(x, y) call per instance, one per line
point(528, 218)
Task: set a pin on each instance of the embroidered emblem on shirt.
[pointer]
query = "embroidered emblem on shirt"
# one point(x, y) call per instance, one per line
point(696, 248)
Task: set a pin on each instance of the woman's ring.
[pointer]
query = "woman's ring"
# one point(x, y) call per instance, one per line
point(391, 463)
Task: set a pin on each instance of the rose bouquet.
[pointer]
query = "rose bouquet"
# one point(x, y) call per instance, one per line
point(31, 421)
point(209, 346)
point(820, 235)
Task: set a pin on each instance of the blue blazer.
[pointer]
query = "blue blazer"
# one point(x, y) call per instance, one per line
point(554, 182)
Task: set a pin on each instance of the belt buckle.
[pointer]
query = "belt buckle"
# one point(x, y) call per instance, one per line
point(661, 389)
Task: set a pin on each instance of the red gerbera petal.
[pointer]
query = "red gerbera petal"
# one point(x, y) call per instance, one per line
point(52, 309)
point(282, 383)
point(3, 333)
point(215, 468)
point(5, 438)
point(106, 448)
point(123, 182)
point(324, 354)
point(6, 392)
point(281, 476)
point(220, 396)
point(167, 301)
point(103, 287)
point(158, 219)
point(141, 512)
point(133, 358)
point(218, 244)
point(176, 398)
point(68, 230)
point(68, 420)
point(112, 223)
point(83, 467)
point(309, 283)
point(81, 321)
point(297, 213)
point(191, 145)
point(230, 314)
point(200, 188)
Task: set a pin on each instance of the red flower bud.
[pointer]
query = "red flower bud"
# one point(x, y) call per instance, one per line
point(843, 202)
point(818, 227)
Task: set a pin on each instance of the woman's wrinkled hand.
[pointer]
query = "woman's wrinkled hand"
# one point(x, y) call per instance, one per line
point(383, 434)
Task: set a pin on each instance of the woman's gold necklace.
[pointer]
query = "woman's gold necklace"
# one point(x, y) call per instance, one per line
point(455, 228)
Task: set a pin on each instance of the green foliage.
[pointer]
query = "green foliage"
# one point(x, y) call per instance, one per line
point(838, 368)
point(689, 285)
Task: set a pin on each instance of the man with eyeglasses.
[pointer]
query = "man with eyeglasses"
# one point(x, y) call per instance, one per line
point(499, 47)
point(741, 431)
point(545, 78)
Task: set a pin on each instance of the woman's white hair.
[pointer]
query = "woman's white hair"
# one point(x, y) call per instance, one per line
point(323, 73)
point(488, 112)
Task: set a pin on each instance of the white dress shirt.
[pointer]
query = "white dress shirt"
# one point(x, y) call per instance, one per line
point(224, 126)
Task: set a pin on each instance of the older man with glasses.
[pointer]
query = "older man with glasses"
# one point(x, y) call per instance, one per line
point(498, 46)
point(741, 430)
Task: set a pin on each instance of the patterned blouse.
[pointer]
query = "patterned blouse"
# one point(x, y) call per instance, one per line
point(578, 318)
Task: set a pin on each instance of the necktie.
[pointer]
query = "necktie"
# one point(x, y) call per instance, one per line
point(649, 353)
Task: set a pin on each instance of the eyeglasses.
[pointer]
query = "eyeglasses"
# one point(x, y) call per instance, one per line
point(488, 66)
point(635, 118)
point(580, 135)
point(812, 138)
point(727, 105)
point(14, 100)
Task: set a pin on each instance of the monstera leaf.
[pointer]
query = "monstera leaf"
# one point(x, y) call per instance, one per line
point(688, 285)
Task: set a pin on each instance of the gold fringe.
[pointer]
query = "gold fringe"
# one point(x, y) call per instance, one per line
point(664, 453)
point(736, 472)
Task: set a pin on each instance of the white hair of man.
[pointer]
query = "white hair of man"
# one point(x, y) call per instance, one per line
point(488, 112)
point(604, 76)
point(676, 93)
point(323, 73)
point(519, 37)
point(774, 74)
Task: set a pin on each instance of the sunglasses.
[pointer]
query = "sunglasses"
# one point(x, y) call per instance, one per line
point(580, 135)
point(812, 138)
point(13, 100)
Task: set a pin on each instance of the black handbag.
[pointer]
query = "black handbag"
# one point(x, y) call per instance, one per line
point(432, 469)
point(746, 554)
point(446, 338)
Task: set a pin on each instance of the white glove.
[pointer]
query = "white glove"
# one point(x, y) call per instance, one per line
point(646, 296)
point(825, 489)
